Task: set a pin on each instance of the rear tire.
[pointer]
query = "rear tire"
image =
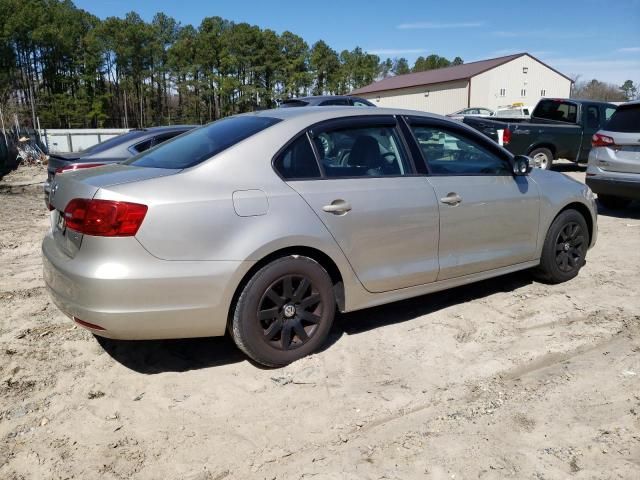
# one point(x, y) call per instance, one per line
point(613, 203)
point(542, 157)
point(565, 248)
point(284, 312)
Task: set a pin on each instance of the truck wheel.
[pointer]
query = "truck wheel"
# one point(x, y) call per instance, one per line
point(613, 203)
point(542, 157)
point(565, 248)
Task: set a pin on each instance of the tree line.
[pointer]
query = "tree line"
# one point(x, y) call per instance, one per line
point(66, 68)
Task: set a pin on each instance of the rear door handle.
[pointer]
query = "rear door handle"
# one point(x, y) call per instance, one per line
point(452, 199)
point(337, 207)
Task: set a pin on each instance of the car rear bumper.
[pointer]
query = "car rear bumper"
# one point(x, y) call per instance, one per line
point(625, 188)
point(136, 296)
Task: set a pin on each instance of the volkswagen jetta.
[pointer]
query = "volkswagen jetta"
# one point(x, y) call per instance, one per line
point(265, 224)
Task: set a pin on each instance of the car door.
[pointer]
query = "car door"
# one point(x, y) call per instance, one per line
point(383, 216)
point(488, 217)
point(591, 124)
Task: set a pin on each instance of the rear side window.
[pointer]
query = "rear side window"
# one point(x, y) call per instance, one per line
point(362, 152)
point(556, 110)
point(297, 161)
point(202, 143)
point(293, 103)
point(336, 101)
point(625, 119)
point(593, 117)
point(142, 146)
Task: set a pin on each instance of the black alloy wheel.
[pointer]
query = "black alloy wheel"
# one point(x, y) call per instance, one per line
point(284, 312)
point(570, 247)
point(289, 312)
point(565, 248)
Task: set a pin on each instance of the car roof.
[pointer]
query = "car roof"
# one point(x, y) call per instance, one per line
point(329, 112)
point(317, 99)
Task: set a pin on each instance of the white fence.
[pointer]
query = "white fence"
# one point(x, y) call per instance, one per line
point(75, 139)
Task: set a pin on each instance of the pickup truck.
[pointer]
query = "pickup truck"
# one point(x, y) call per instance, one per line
point(558, 128)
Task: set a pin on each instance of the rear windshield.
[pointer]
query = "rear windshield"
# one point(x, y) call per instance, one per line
point(625, 119)
point(202, 143)
point(557, 110)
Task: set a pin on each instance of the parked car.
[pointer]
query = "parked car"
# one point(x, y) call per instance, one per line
point(327, 100)
point(245, 224)
point(471, 112)
point(559, 128)
point(516, 110)
point(113, 150)
point(614, 161)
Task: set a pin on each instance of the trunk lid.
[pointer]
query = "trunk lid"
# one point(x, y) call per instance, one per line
point(85, 184)
point(623, 156)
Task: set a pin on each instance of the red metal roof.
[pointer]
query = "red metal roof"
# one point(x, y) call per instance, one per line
point(448, 74)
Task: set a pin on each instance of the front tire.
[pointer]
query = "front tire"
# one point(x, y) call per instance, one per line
point(542, 157)
point(613, 203)
point(565, 248)
point(284, 312)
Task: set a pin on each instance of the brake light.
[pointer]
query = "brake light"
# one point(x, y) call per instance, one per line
point(506, 136)
point(104, 218)
point(77, 166)
point(599, 140)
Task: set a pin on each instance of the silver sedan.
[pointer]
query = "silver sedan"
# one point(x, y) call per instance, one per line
point(265, 224)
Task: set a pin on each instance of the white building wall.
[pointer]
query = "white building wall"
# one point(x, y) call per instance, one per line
point(539, 81)
point(441, 98)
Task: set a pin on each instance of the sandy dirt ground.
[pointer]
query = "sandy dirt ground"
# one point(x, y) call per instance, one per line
point(507, 378)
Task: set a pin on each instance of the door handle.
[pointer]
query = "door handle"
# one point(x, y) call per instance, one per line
point(337, 207)
point(452, 199)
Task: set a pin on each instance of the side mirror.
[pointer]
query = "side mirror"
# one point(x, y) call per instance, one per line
point(521, 165)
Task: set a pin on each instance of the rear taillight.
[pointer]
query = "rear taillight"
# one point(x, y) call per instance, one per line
point(599, 140)
point(77, 166)
point(104, 218)
point(506, 136)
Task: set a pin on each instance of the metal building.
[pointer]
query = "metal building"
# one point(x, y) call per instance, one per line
point(519, 78)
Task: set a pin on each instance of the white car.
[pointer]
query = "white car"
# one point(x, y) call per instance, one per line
point(471, 112)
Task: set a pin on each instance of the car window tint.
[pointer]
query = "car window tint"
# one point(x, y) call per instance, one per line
point(202, 143)
point(358, 103)
point(593, 117)
point(448, 153)
point(297, 161)
point(165, 136)
point(625, 119)
point(142, 146)
point(335, 101)
point(361, 152)
point(608, 112)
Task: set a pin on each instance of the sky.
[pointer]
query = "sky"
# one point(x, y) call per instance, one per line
point(590, 38)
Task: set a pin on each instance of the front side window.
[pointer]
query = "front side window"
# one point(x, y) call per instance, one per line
point(202, 143)
point(361, 152)
point(360, 103)
point(297, 161)
point(608, 112)
point(448, 153)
